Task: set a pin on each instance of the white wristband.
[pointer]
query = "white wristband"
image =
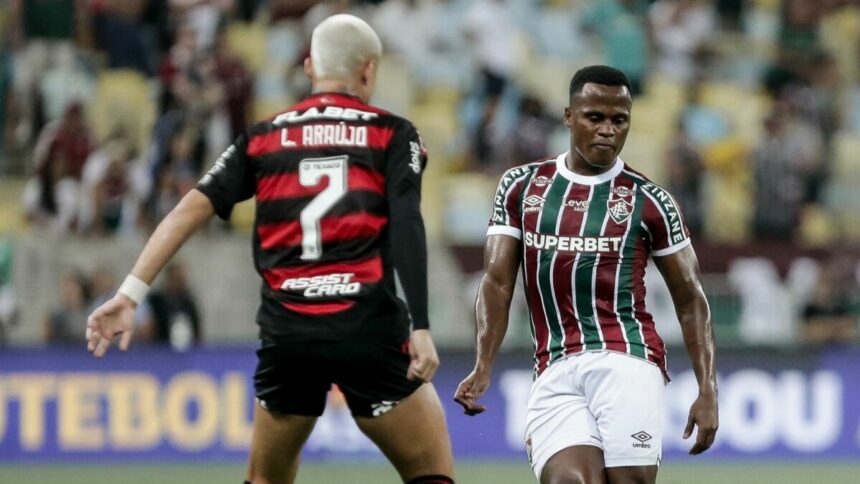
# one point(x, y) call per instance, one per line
point(133, 288)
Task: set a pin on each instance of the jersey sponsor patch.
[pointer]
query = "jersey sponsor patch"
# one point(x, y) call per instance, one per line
point(589, 245)
point(667, 205)
point(323, 286)
point(329, 112)
point(415, 161)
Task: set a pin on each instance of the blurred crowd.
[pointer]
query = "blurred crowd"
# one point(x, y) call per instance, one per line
point(747, 110)
point(112, 108)
point(168, 316)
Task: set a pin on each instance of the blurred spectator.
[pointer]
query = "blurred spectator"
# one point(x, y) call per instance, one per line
point(419, 33)
point(702, 124)
point(685, 172)
point(529, 139)
point(120, 33)
point(177, 172)
point(70, 137)
point(730, 14)
point(489, 27)
point(203, 16)
point(46, 31)
point(67, 322)
point(624, 38)
point(102, 287)
point(816, 99)
point(177, 59)
point(798, 34)
point(7, 100)
point(65, 84)
point(789, 153)
point(175, 318)
point(238, 84)
point(113, 187)
point(50, 198)
point(829, 317)
point(290, 9)
point(681, 30)
point(8, 308)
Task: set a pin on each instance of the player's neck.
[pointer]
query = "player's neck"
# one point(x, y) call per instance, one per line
point(336, 85)
point(580, 165)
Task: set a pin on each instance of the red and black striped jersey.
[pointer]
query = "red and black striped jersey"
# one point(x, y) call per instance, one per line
point(337, 185)
point(585, 246)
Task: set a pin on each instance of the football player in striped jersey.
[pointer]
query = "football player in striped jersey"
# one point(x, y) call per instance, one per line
point(582, 227)
point(337, 184)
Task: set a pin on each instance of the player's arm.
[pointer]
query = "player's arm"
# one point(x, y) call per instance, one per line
point(116, 316)
point(681, 273)
point(495, 292)
point(406, 162)
point(230, 181)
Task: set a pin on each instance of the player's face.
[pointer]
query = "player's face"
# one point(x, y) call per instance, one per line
point(599, 120)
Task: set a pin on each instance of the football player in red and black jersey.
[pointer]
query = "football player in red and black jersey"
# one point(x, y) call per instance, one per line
point(338, 186)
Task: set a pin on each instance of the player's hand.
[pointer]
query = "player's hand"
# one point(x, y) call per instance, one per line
point(703, 414)
point(471, 389)
point(111, 319)
point(425, 361)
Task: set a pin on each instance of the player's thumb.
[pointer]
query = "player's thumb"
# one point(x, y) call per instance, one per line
point(688, 430)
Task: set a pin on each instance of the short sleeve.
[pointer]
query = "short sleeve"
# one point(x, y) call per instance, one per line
point(664, 221)
point(506, 218)
point(407, 159)
point(230, 180)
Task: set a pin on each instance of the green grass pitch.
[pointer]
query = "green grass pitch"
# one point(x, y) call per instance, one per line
point(378, 473)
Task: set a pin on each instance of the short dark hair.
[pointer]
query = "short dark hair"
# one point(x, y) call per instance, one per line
point(608, 76)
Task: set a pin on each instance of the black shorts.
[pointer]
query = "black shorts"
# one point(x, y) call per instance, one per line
point(295, 377)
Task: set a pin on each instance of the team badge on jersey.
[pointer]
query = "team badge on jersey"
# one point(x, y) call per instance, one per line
point(619, 209)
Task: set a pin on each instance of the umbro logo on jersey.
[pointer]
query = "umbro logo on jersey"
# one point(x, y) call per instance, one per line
point(533, 200)
point(533, 203)
point(642, 437)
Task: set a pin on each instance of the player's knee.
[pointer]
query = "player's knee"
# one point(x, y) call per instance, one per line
point(434, 479)
point(632, 475)
point(570, 476)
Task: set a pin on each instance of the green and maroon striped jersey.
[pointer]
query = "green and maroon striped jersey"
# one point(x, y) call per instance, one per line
point(585, 245)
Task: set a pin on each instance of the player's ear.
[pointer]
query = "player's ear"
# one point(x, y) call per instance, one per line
point(568, 117)
point(309, 67)
point(368, 73)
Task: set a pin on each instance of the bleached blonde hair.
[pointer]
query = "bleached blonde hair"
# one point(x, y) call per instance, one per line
point(341, 45)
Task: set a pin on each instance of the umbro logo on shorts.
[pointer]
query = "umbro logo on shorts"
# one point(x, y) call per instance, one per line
point(642, 437)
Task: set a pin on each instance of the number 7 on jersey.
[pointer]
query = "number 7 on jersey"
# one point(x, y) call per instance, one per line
point(311, 172)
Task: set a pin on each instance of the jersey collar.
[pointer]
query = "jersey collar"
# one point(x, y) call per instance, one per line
point(562, 168)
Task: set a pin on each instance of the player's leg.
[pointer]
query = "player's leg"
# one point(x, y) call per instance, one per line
point(275, 446)
point(403, 418)
point(580, 464)
point(414, 438)
point(625, 394)
point(562, 440)
point(632, 475)
point(291, 383)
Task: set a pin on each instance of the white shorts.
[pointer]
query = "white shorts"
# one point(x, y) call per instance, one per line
point(601, 398)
